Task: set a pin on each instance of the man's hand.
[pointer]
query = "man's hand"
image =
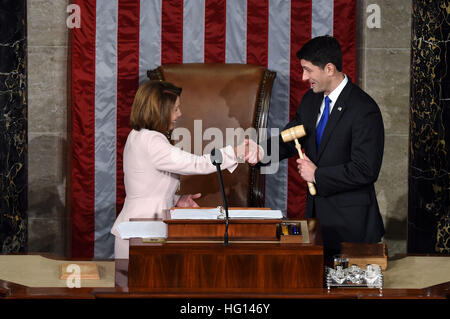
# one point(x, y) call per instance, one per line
point(188, 200)
point(306, 168)
point(249, 151)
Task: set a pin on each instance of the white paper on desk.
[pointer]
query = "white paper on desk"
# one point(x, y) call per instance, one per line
point(192, 213)
point(142, 229)
point(255, 213)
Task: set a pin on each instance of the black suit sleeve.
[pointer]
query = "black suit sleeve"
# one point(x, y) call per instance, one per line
point(285, 150)
point(367, 146)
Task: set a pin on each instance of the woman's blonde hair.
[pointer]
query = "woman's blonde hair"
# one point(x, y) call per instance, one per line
point(152, 106)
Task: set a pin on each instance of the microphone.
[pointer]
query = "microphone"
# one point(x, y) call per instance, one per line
point(216, 160)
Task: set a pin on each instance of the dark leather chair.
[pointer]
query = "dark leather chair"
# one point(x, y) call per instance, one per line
point(222, 96)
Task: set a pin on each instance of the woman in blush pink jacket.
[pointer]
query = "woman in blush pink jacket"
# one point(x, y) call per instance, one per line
point(152, 165)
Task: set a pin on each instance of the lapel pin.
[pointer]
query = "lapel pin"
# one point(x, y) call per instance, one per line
point(339, 108)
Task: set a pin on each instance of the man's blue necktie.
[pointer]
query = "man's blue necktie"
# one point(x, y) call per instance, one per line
point(323, 121)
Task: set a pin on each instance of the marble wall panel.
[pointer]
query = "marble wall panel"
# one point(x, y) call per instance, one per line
point(383, 60)
point(47, 22)
point(395, 28)
point(429, 182)
point(45, 235)
point(47, 89)
point(392, 190)
point(13, 127)
point(388, 82)
point(47, 59)
point(47, 183)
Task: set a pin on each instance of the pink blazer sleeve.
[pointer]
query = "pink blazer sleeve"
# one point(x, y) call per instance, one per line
point(167, 157)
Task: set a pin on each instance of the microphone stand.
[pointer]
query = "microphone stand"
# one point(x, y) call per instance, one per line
point(216, 159)
point(225, 204)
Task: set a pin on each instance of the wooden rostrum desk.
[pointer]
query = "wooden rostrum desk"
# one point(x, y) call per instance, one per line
point(194, 257)
point(121, 290)
point(208, 270)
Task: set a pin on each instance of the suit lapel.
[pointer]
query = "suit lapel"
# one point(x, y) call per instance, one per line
point(336, 114)
point(311, 122)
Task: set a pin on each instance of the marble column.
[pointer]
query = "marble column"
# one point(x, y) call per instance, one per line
point(383, 65)
point(13, 126)
point(429, 161)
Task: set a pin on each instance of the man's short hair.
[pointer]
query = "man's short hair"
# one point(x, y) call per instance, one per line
point(322, 50)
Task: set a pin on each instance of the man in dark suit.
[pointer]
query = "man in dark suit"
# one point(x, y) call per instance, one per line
point(343, 146)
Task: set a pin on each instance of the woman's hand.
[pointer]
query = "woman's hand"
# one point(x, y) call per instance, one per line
point(188, 200)
point(249, 151)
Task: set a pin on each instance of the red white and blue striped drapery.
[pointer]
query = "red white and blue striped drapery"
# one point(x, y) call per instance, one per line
point(119, 40)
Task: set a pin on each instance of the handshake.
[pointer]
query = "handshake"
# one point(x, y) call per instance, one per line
point(249, 151)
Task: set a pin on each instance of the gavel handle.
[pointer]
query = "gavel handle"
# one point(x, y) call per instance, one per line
point(311, 187)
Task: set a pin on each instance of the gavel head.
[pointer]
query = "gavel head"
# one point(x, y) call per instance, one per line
point(292, 133)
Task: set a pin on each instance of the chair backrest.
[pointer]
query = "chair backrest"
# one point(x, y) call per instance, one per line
point(221, 96)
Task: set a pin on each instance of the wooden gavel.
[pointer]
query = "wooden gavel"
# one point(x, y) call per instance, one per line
point(292, 134)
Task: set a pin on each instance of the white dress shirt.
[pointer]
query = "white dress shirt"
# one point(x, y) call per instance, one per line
point(333, 97)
